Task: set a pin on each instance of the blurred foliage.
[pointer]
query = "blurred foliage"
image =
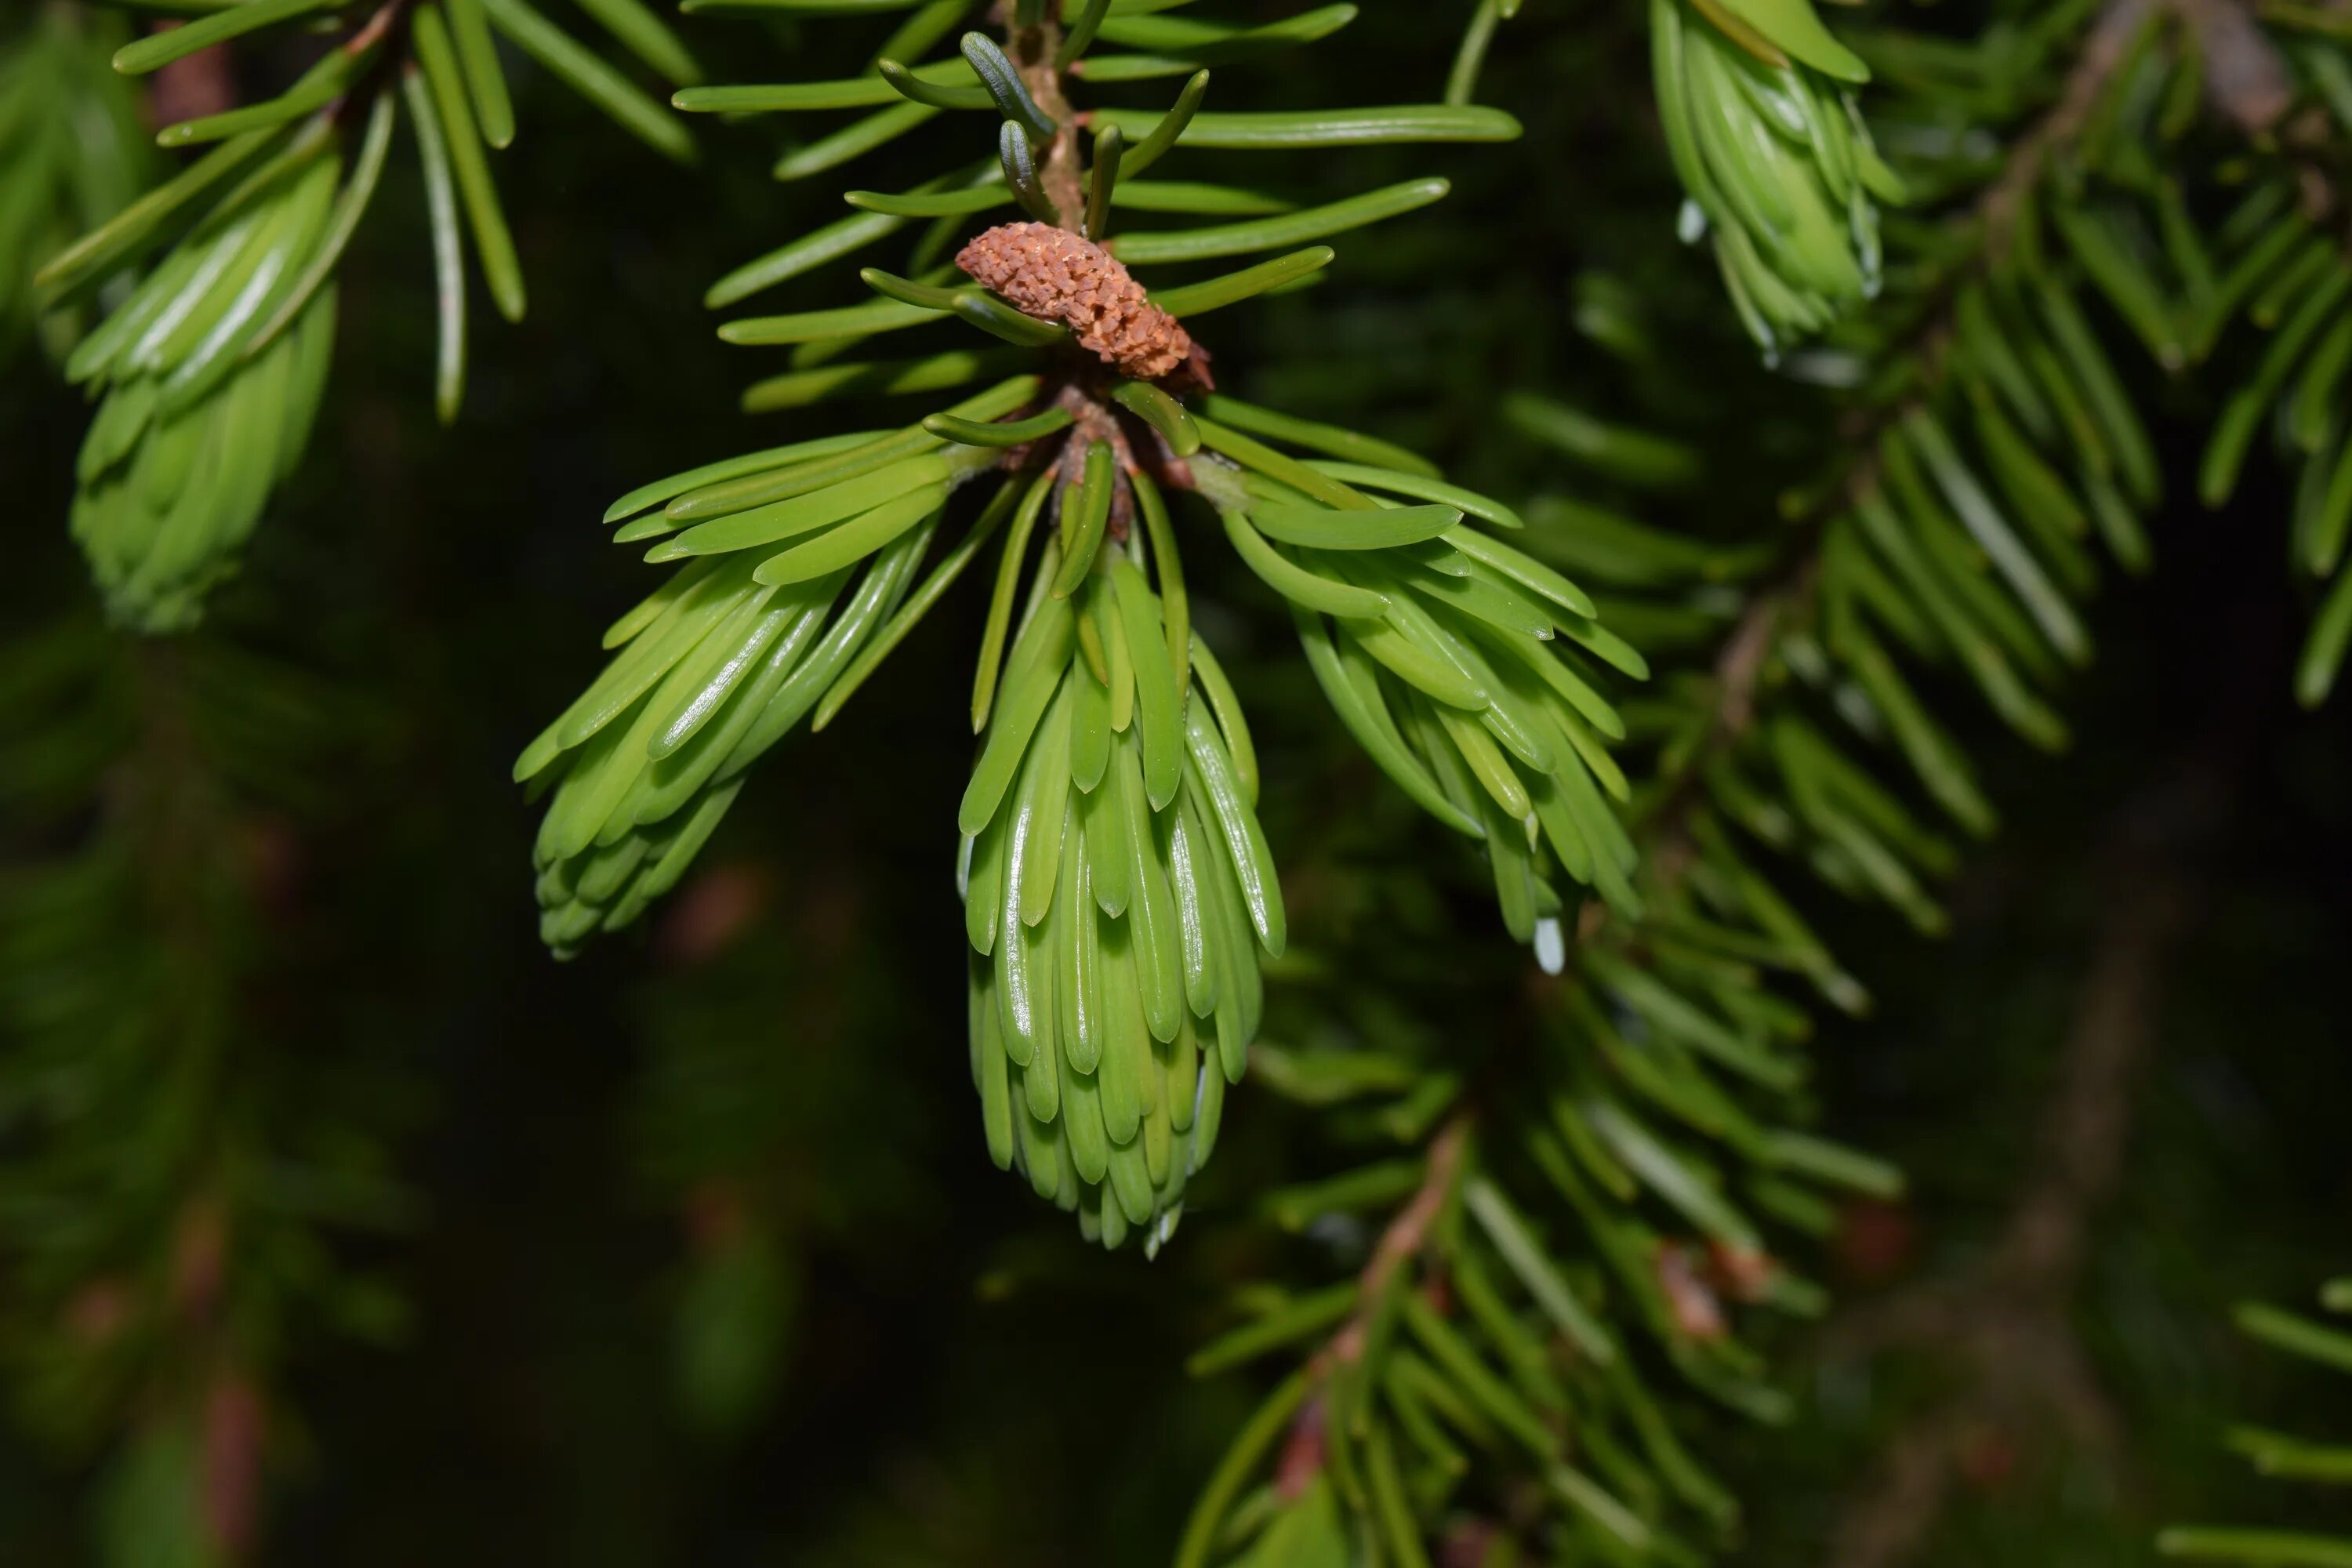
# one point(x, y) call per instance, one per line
point(340, 1224)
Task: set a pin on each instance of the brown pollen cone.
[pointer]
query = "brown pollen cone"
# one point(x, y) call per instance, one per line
point(1057, 276)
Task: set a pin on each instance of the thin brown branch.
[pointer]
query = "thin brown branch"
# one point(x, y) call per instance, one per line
point(2245, 80)
point(1407, 1234)
point(2110, 41)
point(1033, 50)
point(2245, 77)
point(2007, 1322)
point(1739, 668)
point(380, 21)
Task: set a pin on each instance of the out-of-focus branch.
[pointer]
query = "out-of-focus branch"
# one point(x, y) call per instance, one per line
point(2245, 80)
point(2008, 1321)
point(1407, 1234)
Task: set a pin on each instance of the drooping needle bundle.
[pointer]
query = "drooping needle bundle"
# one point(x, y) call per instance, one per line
point(1774, 158)
point(209, 375)
point(1118, 890)
point(208, 379)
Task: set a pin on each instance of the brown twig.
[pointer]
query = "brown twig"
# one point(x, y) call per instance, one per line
point(380, 22)
point(1406, 1235)
point(2110, 40)
point(1033, 50)
point(2244, 78)
point(2008, 1321)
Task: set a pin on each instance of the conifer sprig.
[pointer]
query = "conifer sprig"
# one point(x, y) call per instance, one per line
point(71, 155)
point(183, 1187)
point(1582, 1217)
point(208, 376)
point(2273, 264)
point(1571, 1231)
point(1756, 100)
point(2322, 1461)
point(1115, 769)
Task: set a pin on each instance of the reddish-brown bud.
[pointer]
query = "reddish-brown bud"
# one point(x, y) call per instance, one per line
point(1057, 276)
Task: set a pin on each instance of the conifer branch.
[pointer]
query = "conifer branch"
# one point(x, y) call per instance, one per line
point(223, 347)
point(171, 1220)
point(1401, 1244)
point(1778, 630)
point(1566, 1231)
point(2010, 1319)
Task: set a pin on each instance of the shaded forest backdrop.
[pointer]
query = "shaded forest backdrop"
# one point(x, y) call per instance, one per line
point(373, 1234)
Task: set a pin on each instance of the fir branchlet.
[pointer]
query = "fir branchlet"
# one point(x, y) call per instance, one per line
point(209, 374)
point(1117, 889)
point(1585, 1221)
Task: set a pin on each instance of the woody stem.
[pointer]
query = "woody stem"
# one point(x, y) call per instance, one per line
point(1032, 51)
